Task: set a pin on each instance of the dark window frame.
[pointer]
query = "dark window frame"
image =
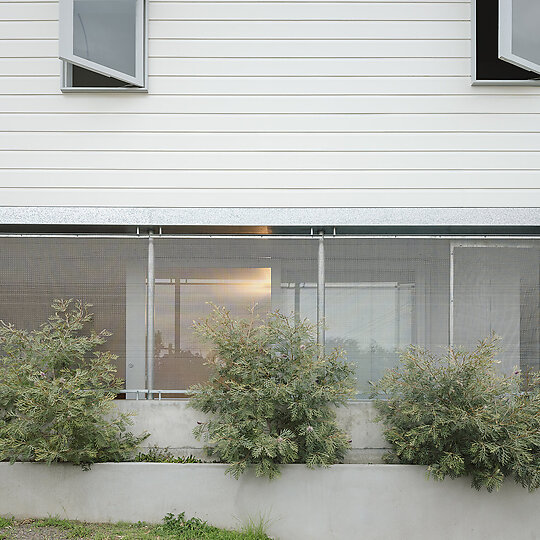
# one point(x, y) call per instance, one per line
point(527, 78)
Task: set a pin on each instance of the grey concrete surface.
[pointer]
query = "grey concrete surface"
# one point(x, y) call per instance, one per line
point(89, 215)
point(170, 424)
point(344, 502)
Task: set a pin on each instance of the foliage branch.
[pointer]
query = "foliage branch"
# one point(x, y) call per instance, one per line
point(271, 395)
point(57, 392)
point(460, 417)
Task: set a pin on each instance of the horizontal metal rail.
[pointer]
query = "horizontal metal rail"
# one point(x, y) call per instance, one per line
point(144, 392)
point(158, 237)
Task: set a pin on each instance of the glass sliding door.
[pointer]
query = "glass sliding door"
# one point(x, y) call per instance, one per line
point(186, 296)
point(371, 321)
point(383, 295)
point(238, 274)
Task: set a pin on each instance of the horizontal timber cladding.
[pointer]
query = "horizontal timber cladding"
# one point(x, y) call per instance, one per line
point(332, 103)
point(287, 11)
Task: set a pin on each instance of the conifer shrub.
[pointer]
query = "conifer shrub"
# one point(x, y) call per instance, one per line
point(459, 417)
point(271, 394)
point(56, 395)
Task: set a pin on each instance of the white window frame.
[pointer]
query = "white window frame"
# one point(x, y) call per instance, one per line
point(139, 82)
point(505, 39)
point(491, 82)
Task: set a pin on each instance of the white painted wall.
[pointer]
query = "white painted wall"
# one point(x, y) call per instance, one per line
point(171, 423)
point(344, 502)
point(324, 104)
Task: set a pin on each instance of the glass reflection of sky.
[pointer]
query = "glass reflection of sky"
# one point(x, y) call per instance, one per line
point(185, 296)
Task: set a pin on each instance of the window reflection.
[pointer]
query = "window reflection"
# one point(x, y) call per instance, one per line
point(370, 321)
point(186, 295)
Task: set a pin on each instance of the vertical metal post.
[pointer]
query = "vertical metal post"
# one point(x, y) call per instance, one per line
point(451, 299)
point(177, 318)
point(398, 317)
point(320, 292)
point(296, 303)
point(150, 290)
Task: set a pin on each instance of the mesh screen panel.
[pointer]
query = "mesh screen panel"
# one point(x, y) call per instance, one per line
point(235, 273)
point(382, 295)
point(497, 289)
point(35, 271)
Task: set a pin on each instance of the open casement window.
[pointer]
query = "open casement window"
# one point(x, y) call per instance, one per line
point(505, 42)
point(519, 35)
point(102, 43)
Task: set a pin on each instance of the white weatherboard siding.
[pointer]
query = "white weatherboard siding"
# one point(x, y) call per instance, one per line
point(270, 103)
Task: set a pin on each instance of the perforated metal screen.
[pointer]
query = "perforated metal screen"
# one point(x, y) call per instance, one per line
point(496, 289)
point(381, 294)
point(108, 273)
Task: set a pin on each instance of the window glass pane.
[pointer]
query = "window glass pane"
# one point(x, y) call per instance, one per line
point(81, 77)
point(183, 297)
point(104, 32)
point(525, 32)
point(383, 295)
point(236, 274)
point(110, 274)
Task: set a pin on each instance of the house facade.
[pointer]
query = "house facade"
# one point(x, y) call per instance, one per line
point(372, 164)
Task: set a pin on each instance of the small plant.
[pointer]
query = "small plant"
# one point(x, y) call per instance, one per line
point(155, 454)
point(190, 529)
point(5, 522)
point(271, 394)
point(256, 528)
point(56, 395)
point(456, 415)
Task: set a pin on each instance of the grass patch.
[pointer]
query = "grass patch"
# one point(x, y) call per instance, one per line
point(173, 527)
point(256, 529)
point(74, 529)
point(5, 522)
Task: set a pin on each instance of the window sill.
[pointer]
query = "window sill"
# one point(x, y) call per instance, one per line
point(475, 82)
point(93, 90)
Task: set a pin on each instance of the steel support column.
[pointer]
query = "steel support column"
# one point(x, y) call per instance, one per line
point(321, 292)
point(150, 290)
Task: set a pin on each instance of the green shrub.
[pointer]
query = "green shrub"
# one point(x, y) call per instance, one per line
point(155, 454)
point(456, 415)
point(55, 393)
point(271, 394)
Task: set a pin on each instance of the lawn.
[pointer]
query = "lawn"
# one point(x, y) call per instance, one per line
point(173, 527)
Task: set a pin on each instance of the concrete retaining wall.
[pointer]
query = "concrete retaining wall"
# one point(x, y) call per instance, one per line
point(345, 502)
point(170, 424)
